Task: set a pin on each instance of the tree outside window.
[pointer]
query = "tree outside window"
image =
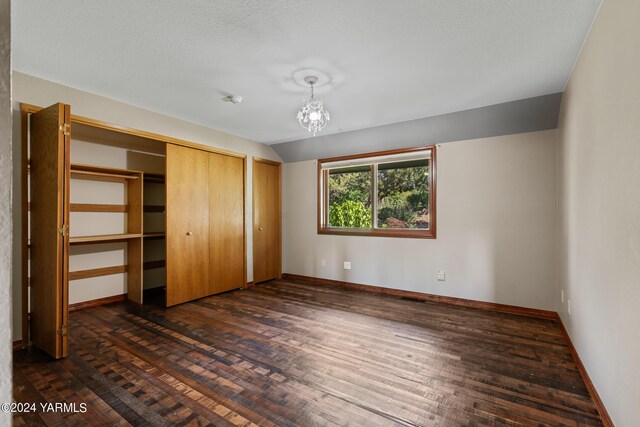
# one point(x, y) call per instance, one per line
point(381, 194)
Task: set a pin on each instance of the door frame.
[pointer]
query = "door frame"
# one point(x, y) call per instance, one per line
point(253, 211)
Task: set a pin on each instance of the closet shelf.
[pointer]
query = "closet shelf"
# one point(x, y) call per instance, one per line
point(103, 238)
point(154, 209)
point(98, 173)
point(98, 207)
point(150, 265)
point(93, 207)
point(106, 238)
point(153, 235)
point(154, 177)
point(97, 272)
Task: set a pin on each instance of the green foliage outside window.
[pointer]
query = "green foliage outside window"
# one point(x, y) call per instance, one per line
point(350, 198)
point(354, 186)
point(350, 214)
point(402, 196)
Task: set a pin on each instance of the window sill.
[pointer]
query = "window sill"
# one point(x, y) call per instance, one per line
point(377, 232)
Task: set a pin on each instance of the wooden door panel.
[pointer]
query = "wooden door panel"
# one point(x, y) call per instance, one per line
point(272, 221)
point(49, 213)
point(259, 212)
point(267, 220)
point(226, 222)
point(187, 216)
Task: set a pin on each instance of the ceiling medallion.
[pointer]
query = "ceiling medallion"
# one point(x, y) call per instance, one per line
point(312, 116)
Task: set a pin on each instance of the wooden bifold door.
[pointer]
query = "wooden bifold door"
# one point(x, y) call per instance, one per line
point(226, 223)
point(187, 178)
point(205, 223)
point(50, 174)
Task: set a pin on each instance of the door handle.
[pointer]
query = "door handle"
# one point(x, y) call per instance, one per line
point(189, 233)
point(260, 229)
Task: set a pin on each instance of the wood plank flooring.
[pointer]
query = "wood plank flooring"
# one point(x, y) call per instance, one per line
point(287, 354)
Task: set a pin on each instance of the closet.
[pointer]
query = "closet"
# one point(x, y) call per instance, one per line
point(153, 214)
point(205, 224)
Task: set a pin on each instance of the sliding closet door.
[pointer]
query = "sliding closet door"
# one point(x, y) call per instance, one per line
point(266, 220)
point(226, 222)
point(187, 216)
point(49, 174)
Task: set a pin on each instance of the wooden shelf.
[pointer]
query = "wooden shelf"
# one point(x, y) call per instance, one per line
point(93, 207)
point(98, 173)
point(154, 209)
point(154, 177)
point(97, 272)
point(109, 238)
point(103, 238)
point(98, 207)
point(150, 265)
point(158, 235)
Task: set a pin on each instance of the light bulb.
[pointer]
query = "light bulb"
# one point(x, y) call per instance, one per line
point(314, 116)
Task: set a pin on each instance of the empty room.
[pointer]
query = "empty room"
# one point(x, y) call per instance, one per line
point(338, 213)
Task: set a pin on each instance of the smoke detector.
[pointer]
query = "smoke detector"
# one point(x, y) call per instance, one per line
point(234, 99)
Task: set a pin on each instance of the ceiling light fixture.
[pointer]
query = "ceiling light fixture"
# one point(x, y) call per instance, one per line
point(312, 116)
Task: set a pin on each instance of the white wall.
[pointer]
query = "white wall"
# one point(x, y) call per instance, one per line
point(32, 90)
point(496, 227)
point(599, 200)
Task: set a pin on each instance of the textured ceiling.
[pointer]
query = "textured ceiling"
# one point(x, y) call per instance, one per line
point(386, 61)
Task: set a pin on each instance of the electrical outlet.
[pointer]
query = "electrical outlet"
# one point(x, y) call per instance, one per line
point(562, 296)
point(323, 263)
point(347, 265)
point(440, 276)
point(569, 307)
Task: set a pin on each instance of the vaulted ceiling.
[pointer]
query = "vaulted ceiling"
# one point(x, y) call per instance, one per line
point(380, 61)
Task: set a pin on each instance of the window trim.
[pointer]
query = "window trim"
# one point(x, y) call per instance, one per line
point(322, 205)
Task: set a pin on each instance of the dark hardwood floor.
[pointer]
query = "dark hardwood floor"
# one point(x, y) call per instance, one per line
point(285, 354)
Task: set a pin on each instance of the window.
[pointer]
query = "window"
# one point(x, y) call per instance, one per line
point(389, 193)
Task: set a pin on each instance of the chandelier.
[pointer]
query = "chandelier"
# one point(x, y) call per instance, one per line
point(312, 116)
